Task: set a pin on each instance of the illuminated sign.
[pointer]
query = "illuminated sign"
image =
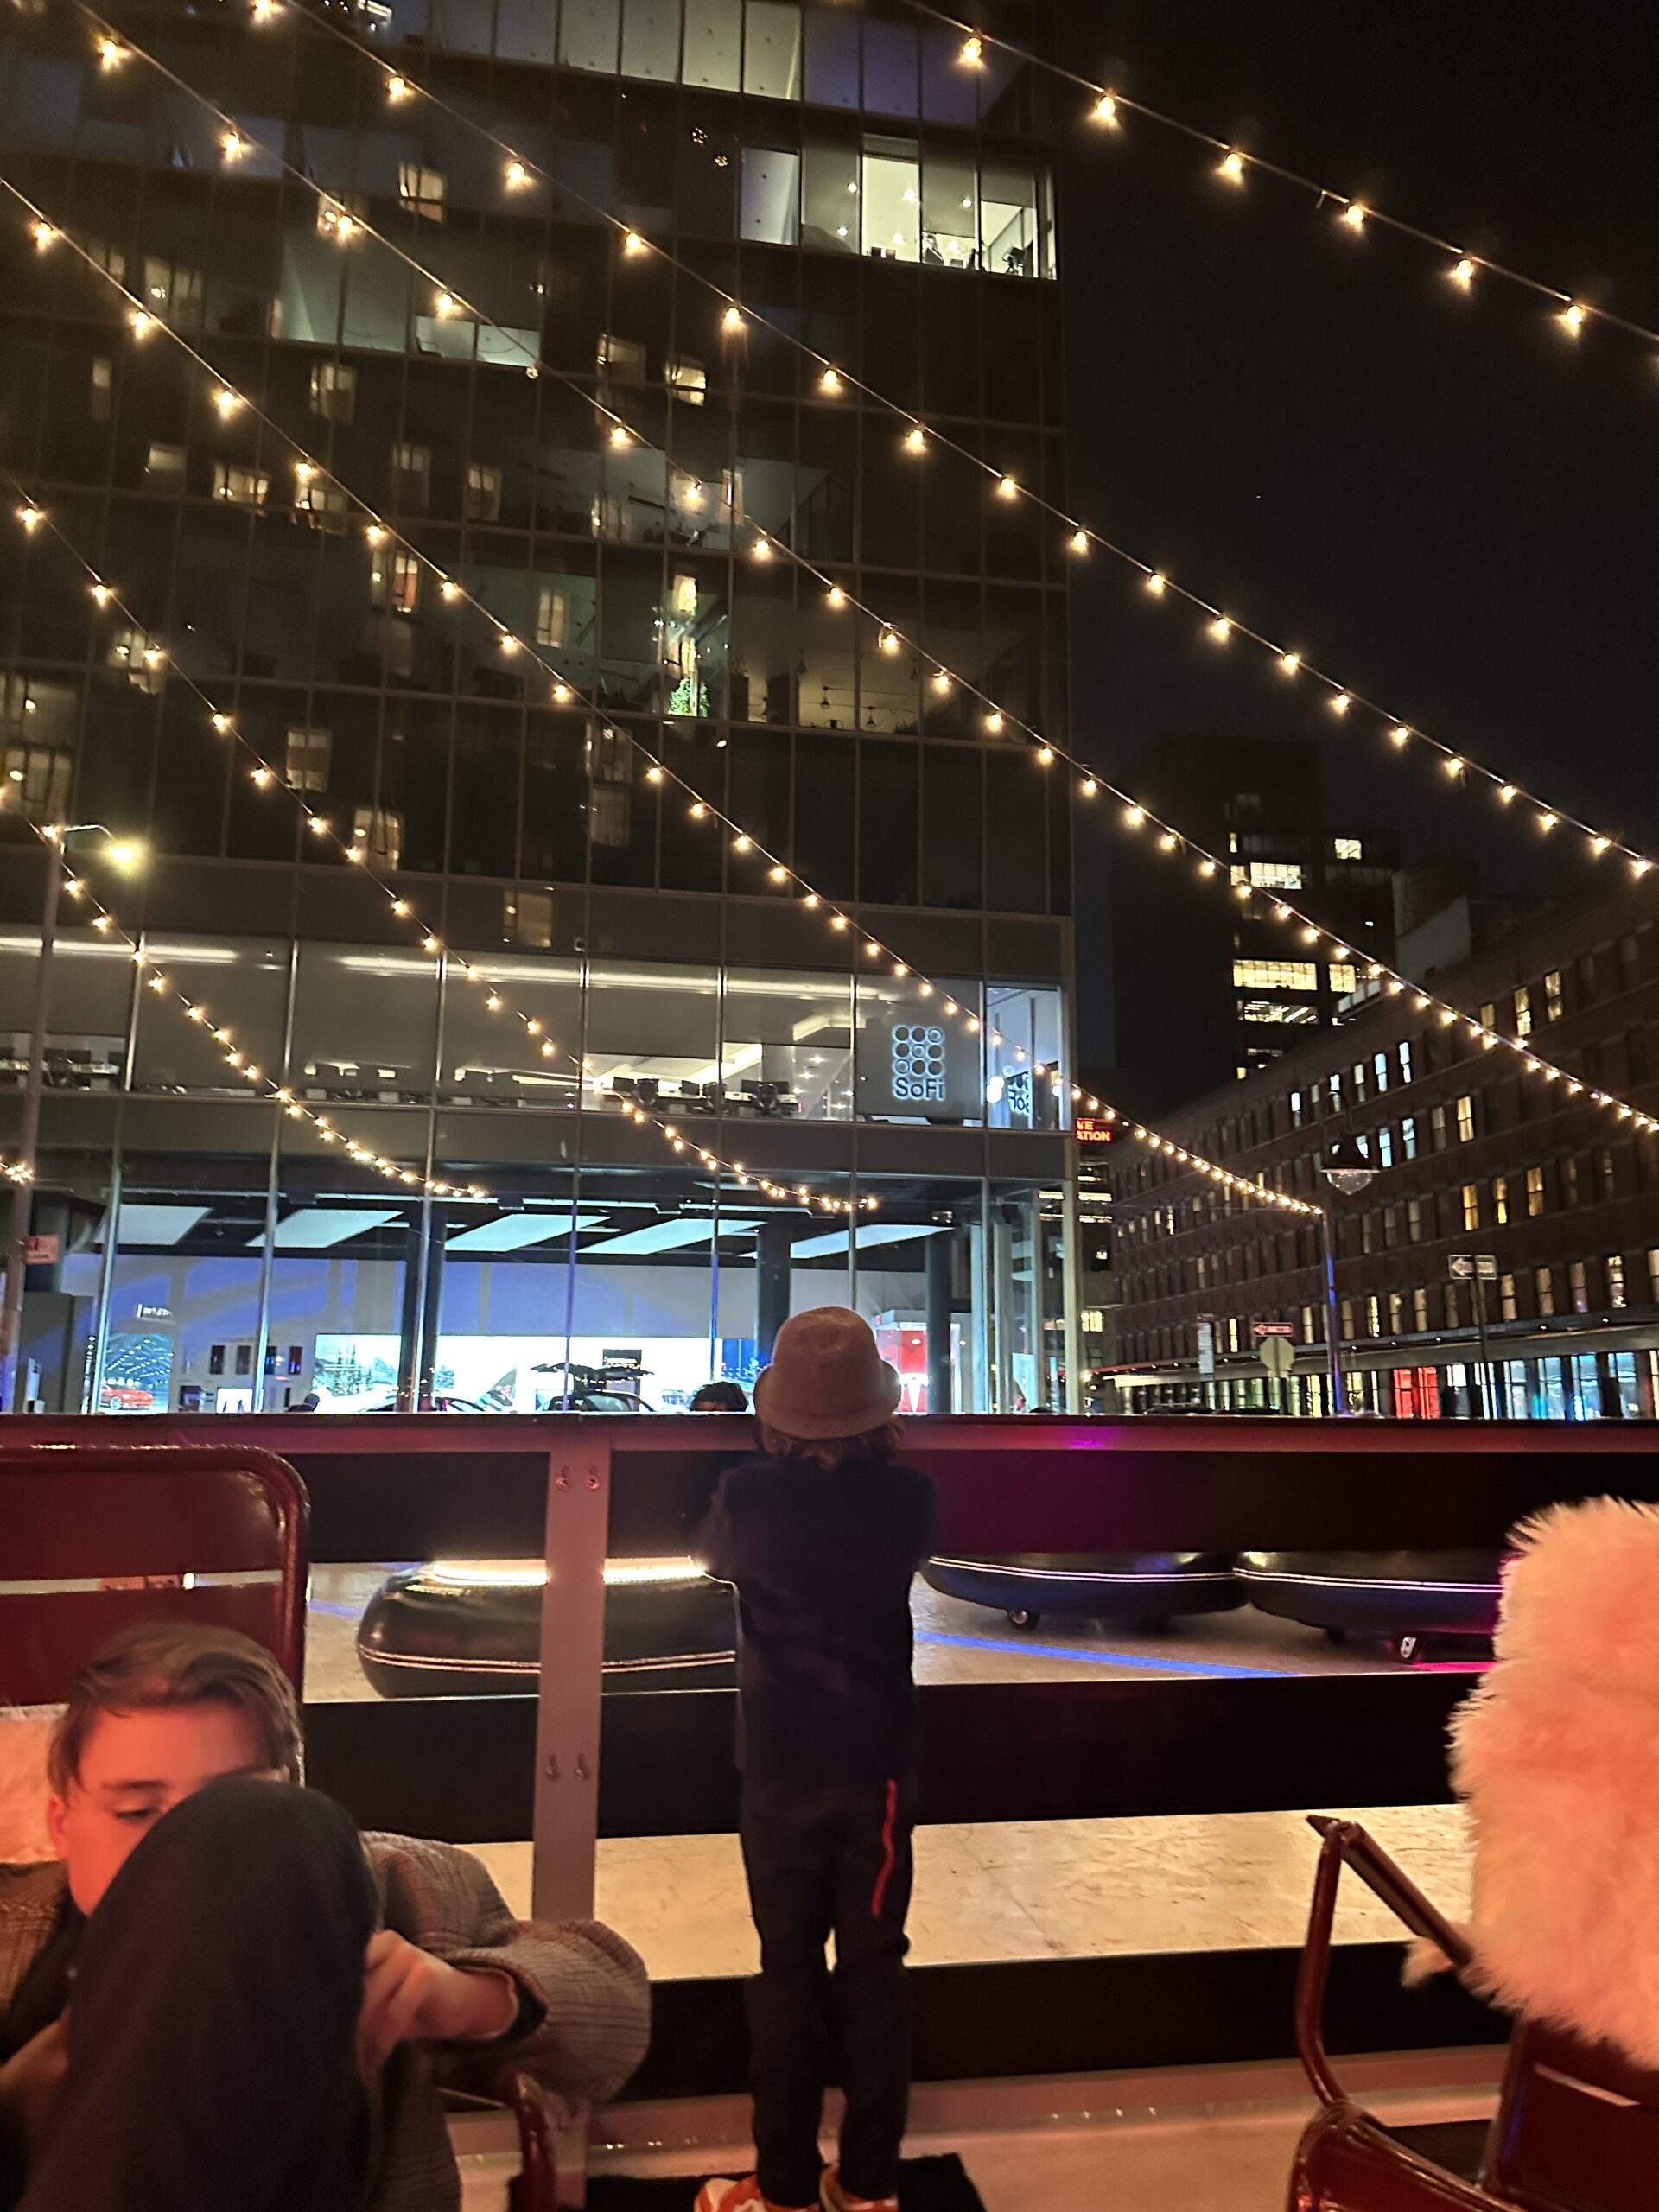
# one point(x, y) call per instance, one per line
point(917, 1063)
point(1090, 1129)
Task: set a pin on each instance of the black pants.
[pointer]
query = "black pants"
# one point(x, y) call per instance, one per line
point(829, 1859)
point(213, 2015)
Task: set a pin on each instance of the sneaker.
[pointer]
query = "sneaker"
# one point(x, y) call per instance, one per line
point(834, 2195)
point(744, 2196)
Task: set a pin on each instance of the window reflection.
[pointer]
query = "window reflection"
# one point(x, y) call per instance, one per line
point(786, 1047)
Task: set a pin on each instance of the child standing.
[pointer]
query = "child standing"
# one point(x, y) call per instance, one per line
point(820, 1538)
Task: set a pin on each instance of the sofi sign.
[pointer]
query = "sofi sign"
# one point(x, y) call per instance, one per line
point(918, 1063)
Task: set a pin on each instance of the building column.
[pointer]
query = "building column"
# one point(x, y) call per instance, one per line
point(437, 1230)
point(772, 1283)
point(941, 1274)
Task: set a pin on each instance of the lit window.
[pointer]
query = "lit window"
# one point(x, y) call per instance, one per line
point(1535, 1192)
point(1605, 1175)
point(137, 655)
point(1296, 1110)
point(1523, 1011)
point(1272, 1010)
point(622, 360)
point(1409, 1136)
point(1344, 977)
point(1348, 849)
point(1500, 1200)
point(171, 290)
point(688, 379)
point(164, 466)
point(1420, 1309)
point(424, 190)
point(1510, 1303)
point(1653, 1274)
point(1396, 1313)
point(1385, 1146)
point(377, 834)
point(307, 765)
point(483, 493)
point(411, 470)
point(1437, 1127)
point(394, 582)
point(530, 918)
point(552, 615)
point(1579, 1287)
point(1380, 1065)
point(1488, 1012)
point(1415, 1220)
point(1553, 1001)
point(1373, 1316)
point(1466, 1119)
point(1471, 1207)
point(322, 503)
point(37, 777)
point(1616, 1280)
point(242, 488)
point(1405, 1061)
point(1276, 974)
point(103, 388)
point(334, 390)
point(1276, 876)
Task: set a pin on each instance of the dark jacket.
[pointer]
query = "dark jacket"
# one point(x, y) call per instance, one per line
point(821, 1561)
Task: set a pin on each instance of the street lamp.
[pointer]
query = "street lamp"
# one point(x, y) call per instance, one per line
point(1346, 1167)
point(125, 854)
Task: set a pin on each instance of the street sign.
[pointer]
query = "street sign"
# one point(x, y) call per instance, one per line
point(43, 1251)
point(1275, 1328)
point(1276, 1354)
point(1473, 1267)
point(1092, 1129)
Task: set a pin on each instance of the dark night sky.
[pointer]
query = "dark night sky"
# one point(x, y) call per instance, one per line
point(1443, 498)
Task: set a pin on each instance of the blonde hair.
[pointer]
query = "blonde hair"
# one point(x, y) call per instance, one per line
point(876, 1445)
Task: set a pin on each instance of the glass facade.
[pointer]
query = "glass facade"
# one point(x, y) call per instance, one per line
point(856, 189)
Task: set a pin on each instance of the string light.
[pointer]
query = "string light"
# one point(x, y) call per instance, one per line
point(1462, 271)
point(398, 88)
point(1354, 215)
point(633, 244)
point(43, 235)
point(1572, 318)
point(232, 145)
point(1105, 109)
point(732, 320)
point(915, 439)
point(515, 176)
point(1232, 166)
point(829, 382)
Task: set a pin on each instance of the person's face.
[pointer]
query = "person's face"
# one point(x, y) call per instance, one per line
point(136, 1766)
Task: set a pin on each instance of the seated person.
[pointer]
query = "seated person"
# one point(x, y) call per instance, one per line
point(224, 1997)
point(720, 1398)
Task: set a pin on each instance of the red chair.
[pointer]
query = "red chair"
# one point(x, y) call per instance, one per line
point(1577, 2128)
point(102, 1536)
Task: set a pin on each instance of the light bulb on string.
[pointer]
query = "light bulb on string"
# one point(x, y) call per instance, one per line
point(633, 244)
point(1572, 318)
point(1290, 662)
point(1157, 583)
point(1354, 215)
point(915, 439)
point(1231, 166)
point(1462, 272)
point(1340, 702)
point(1104, 110)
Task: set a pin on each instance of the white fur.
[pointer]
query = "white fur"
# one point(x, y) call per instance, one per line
point(23, 1739)
point(1557, 1755)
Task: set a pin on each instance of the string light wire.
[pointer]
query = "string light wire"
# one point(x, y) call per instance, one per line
point(1341, 696)
point(1110, 105)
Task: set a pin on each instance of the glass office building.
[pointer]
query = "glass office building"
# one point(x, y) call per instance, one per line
point(846, 178)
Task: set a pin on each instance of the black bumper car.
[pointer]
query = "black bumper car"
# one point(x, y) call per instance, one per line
point(473, 1628)
point(1146, 1587)
point(1409, 1598)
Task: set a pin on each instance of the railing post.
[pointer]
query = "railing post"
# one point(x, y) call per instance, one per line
point(566, 1827)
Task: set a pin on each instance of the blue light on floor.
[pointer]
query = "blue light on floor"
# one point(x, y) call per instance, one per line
point(1026, 1650)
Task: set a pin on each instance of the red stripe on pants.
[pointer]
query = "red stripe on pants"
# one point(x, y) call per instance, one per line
point(884, 1873)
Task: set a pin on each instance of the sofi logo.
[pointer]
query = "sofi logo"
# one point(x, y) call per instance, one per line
point(918, 1062)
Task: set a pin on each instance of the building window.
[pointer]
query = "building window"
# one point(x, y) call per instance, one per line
point(377, 834)
point(37, 776)
point(1396, 1313)
point(1276, 975)
point(1344, 977)
point(164, 467)
point(1615, 1264)
point(1390, 1227)
point(1295, 1109)
point(240, 487)
point(308, 760)
point(1471, 1207)
point(1348, 849)
point(411, 476)
point(552, 615)
point(140, 657)
point(1419, 1310)
point(1373, 1316)
point(530, 918)
point(171, 290)
point(1606, 1179)
point(1488, 1012)
point(1437, 1127)
point(423, 190)
point(1409, 1136)
point(1653, 1274)
point(688, 379)
point(620, 360)
point(1500, 1201)
point(1569, 1182)
point(333, 390)
point(1508, 1302)
point(1380, 1066)
point(394, 582)
point(1629, 961)
point(1523, 1011)
point(1414, 1221)
point(321, 502)
point(1271, 875)
point(1553, 995)
point(1453, 1310)
point(1405, 1059)
point(102, 390)
point(1385, 1146)
point(1585, 969)
point(483, 493)
point(1534, 1192)
point(1466, 1120)
point(1578, 1286)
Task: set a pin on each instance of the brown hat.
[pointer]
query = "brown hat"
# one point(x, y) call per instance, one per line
point(827, 1378)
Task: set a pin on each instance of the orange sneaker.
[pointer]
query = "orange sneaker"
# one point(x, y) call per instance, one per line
point(835, 2196)
point(744, 2196)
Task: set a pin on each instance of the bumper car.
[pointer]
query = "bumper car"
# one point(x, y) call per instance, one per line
point(1407, 1597)
point(472, 1628)
point(1149, 1587)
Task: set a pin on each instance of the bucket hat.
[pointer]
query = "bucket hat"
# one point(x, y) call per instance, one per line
point(827, 1378)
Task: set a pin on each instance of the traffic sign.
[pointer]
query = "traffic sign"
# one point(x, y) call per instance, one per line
point(1276, 1354)
point(1275, 1328)
point(1473, 1267)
